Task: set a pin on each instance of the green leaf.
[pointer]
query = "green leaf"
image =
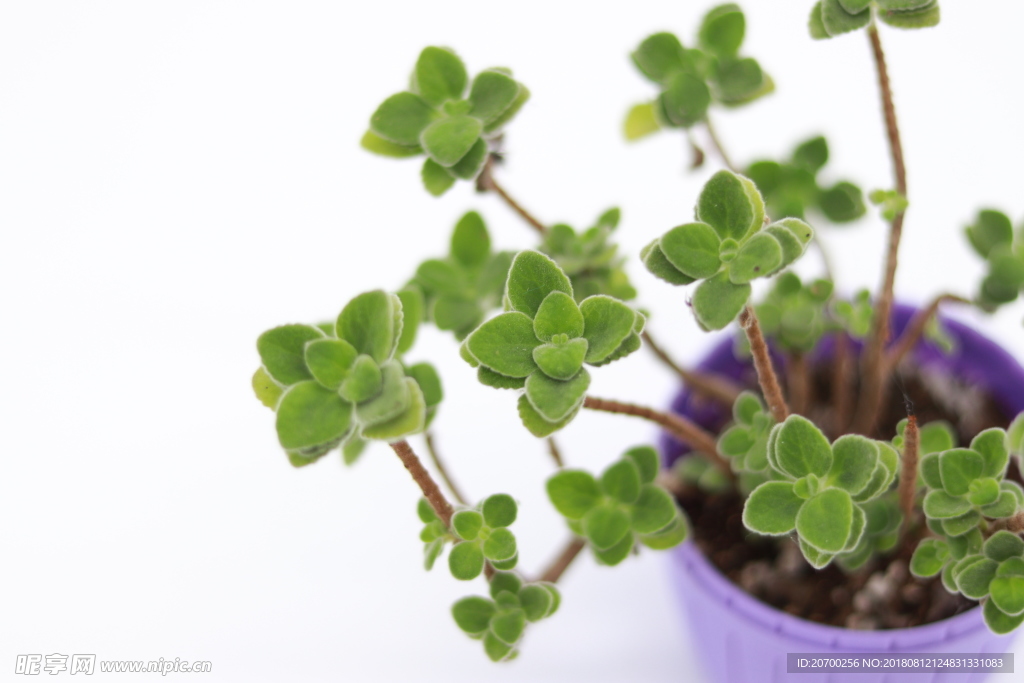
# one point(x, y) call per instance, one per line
point(401, 118)
point(532, 277)
point(440, 75)
point(500, 510)
point(983, 491)
point(537, 601)
point(854, 460)
point(467, 524)
point(937, 437)
point(717, 302)
point(1013, 566)
point(310, 415)
point(621, 481)
point(940, 505)
point(1003, 545)
point(537, 424)
point(725, 205)
point(282, 351)
point(857, 529)
point(372, 323)
point(469, 166)
point(991, 445)
point(998, 621)
point(837, 20)
point(1015, 435)
point(432, 551)
point(497, 123)
point(412, 314)
point(685, 99)
point(958, 468)
point(329, 360)
point(761, 255)
point(640, 122)
point(929, 558)
point(842, 203)
point(267, 390)
point(393, 399)
point(429, 382)
point(958, 526)
point(505, 582)
point(669, 537)
point(1006, 506)
point(554, 399)
point(558, 314)
point(372, 142)
point(815, 557)
point(473, 614)
point(974, 581)
point(492, 94)
point(646, 460)
point(652, 511)
point(573, 493)
point(561, 361)
point(815, 24)
point(929, 471)
point(738, 80)
point(657, 263)
point(801, 448)
point(615, 554)
point(508, 626)
point(812, 154)
point(493, 379)
point(825, 521)
point(505, 344)
point(466, 560)
point(605, 525)
point(411, 421)
point(496, 649)
point(448, 140)
point(500, 546)
point(363, 381)
point(660, 56)
point(436, 178)
point(772, 509)
point(607, 322)
point(471, 243)
point(425, 512)
point(721, 32)
point(924, 17)
point(693, 249)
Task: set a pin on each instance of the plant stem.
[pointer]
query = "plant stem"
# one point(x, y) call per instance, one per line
point(680, 427)
point(553, 573)
point(908, 471)
point(427, 485)
point(1013, 524)
point(710, 385)
point(798, 382)
point(556, 454)
point(442, 470)
point(842, 386)
point(874, 370)
point(766, 376)
point(915, 329)
point(486, 182)
point(717, 143)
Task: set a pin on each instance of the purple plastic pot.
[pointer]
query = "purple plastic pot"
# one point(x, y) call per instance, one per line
point(742, 640)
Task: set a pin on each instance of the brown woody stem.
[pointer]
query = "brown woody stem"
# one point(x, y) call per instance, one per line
point(1013, 524)
point(710, 385)
point(427, 485)
point(798, 382)
point(842, 385)
point(553, 573)
point(556, 453)
point(908, 471)
point(442, 470)
point(486, 182)
point(683, 429)
point(915, 330)
point(766, 376)
point(873, 362)
point(717, 144)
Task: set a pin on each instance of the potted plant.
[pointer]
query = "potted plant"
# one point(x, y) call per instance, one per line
point(824, 475)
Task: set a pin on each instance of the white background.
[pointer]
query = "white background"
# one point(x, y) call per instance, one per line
point(176, 178)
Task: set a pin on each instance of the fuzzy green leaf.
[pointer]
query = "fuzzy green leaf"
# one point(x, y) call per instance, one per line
point(718, 301)
point(429, 381)
point(436, 178)
point(929, 471)
point(500, 510)
point(983, 491)
point(425, 512)
point(640, 122)
point(363, 381)
point(837, 20)
point(937, 437)
point(615, 554)
point(991, 444)
point(401, 118)
point(1003, 545)
point(605, 525)
point(940, 505)
point(573, 493)
point(508, 626)
point(1013, 566)
point(657, 263)
point(466, 560)
point(505, 344)
point(958, 468)
point(537, 601)
point(372, 323)
point(801, 448)
point(826, 520)
point(739, 80)
point(556, 399)
point(685, 99)
point(854, 460)
point(410, 421)
point(469, 166)
point(467, 524)
point(267, 390)
point(652, 511)
point(394, 398)
point(725, 205)
point(282, 351)
point(659, 56)
point(923, 17)
point(812, 154)
point(448, 140)
point(500, 546)
point(958, 526)
point(532, 277)
point(815, 24)
point(998, 621)
point(974, 581)
point(646, 460)
point(440, 75)
point(492, 94)
point(493, 379)
point(1005, 506)
point(607, 322)
point(816, 558)
point(496, 649)
point(536, 424)
point(473, 614)
point(929, 558)
point(693, 249)
point(412, 314)
point(772, 509)
point(561, 361)
point(621, 481)
point(372, 142)
point(761, 255)
point(310, 415)
point(721, 32)
point(558, 314)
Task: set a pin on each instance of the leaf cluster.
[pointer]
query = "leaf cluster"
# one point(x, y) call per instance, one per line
point(438, 117)
point(830, 18)
point(745, 442)
point(543, 339)
point(820, 489)
point(796, 315)
point(590, 259)
point(726, 248)
point(692, 78)
point(992, 237)
point(500, 620)
point(792, 187)
point(484, 537)
point(620, 508)
point(340, 383)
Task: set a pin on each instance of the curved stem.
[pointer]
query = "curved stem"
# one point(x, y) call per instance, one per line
point(717, 143)
point(556, 453)
point(873, 362)
point(683, 429)
point(713, 386)
point(427, 485)
point(486, 182)
point(442, 470)
point(915, 329)
point(766, 376)
point(553, 573)
point(908, 471)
